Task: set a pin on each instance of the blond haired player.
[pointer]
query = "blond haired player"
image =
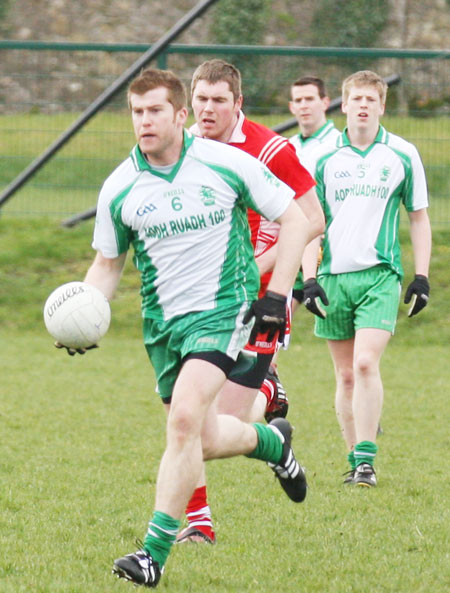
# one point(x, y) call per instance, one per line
point(361, 184)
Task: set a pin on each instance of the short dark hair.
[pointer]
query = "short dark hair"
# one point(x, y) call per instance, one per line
point(217, 71)
point(152, 78)
point(316, 81)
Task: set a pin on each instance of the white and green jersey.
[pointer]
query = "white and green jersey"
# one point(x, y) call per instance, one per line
point(188, 225)
point(361, 192)
point(327, 134)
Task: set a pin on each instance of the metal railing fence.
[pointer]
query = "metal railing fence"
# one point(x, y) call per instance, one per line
point(45, 86)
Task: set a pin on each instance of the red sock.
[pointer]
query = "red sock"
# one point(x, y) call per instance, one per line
point(268, 389)
point(198, 512)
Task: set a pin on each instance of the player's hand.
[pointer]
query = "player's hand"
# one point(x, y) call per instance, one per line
point(73, 351)
point(270, 316)
point(312, 292)
point(419, 292)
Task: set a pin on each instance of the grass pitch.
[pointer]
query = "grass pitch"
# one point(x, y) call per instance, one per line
point(82, 438)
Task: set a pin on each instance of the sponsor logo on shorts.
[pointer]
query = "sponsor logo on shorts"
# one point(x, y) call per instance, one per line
point(207, 340)
point(261, 344)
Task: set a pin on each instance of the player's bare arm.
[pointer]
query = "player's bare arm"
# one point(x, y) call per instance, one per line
point(310, 258)
point(270, 310)
point(420, 231)
point(311, 208)
point(295, 234)
point(418, 291)
point(105, 273)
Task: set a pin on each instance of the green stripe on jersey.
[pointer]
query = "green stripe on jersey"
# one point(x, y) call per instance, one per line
point(123, 232)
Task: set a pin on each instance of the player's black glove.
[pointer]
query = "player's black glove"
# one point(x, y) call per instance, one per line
point(419, 292)
point(270, 316)
point(312, 292)
point(73, 351)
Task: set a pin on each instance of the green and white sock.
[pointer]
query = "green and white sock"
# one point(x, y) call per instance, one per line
point(269, 447)
point(161, 534)
point(365, 452)
point(351, 460)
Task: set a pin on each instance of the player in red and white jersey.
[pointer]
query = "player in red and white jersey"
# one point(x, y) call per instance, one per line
point(275, 152)
point(219, 120)
point(216, 102)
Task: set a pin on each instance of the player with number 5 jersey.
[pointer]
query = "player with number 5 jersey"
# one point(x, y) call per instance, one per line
point(361, 183)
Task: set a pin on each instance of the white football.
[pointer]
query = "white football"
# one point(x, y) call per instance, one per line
point(77, 314)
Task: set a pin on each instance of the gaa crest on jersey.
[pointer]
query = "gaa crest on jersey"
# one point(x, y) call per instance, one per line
point(207, 195)
point(142, 210)
point(342, 174)
point(384, 173)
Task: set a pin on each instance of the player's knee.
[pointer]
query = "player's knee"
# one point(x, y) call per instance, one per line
point(346, 378)
point(365, 364)
point(181, 425)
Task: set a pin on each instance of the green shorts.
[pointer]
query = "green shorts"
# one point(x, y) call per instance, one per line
point(298, 285)
point(297, 291)
point(369, 298)
point(169, 342)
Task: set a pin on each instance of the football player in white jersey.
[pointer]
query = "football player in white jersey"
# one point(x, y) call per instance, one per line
point(309, 103)
point(181, 203)
point(361, 184)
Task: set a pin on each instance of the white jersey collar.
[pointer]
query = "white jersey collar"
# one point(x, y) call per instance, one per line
point(237, 135)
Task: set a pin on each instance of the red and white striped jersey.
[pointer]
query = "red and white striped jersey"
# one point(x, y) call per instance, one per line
point(278, 154)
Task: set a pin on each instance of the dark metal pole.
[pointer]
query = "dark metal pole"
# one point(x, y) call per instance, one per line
point(102, 99)
point(279, 128)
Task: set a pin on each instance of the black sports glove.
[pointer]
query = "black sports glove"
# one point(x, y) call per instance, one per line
point(312, 291)
point(73, 351)
point(419, 292)
point(270, 316)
